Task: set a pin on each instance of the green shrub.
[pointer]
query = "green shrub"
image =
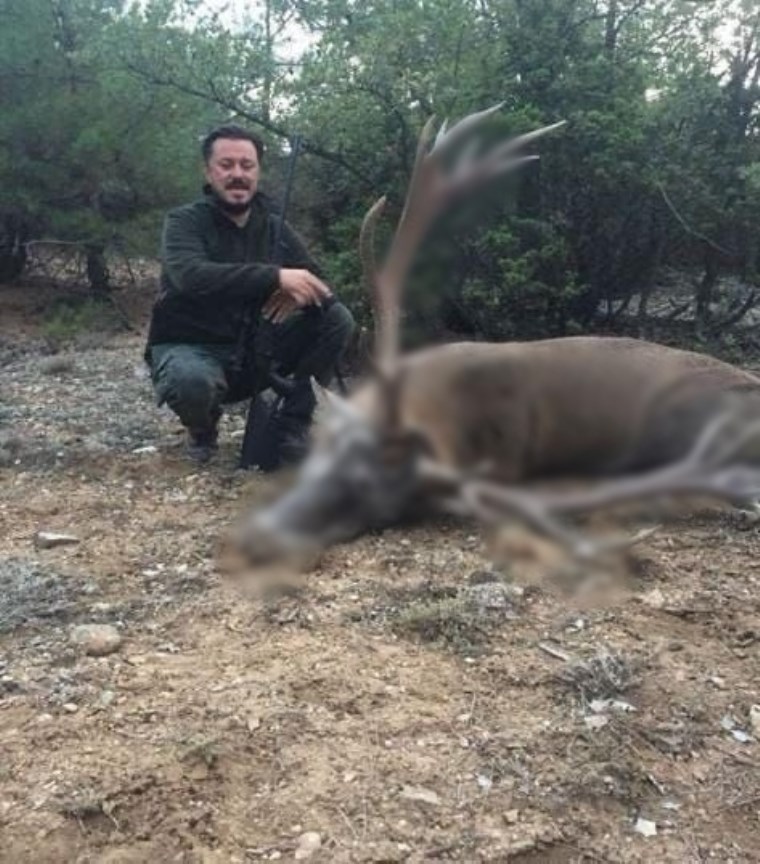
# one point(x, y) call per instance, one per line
point(70, 320)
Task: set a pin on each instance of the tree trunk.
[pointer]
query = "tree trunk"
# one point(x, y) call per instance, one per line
point(13, 237)
point(97, 269)
point(610, 31)
point(706, 290)
point(657, 238)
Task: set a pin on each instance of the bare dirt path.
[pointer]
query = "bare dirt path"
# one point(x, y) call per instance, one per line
point(400, 703)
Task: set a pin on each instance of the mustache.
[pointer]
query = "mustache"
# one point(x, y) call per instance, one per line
point(237, 184)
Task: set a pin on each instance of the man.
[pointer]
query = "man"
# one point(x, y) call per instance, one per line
point(217, 258)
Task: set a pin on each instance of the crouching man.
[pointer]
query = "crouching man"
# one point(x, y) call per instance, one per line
point(216, 257)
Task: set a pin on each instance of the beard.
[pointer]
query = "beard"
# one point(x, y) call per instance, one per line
point(234, 208)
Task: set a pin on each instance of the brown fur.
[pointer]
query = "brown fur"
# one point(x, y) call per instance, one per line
point(575, 406)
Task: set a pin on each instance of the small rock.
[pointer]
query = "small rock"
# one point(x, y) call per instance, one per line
point(101, 608)
point(654, 598)
point(596, 722)
point(97, 640)
point(51, 539)
point(70, 708)
point(308, 844)
point(489, 597)
point(483, 577)
point(419, 793)
point(106, 698)
point(8, 684)
point(511, 817)
point(754, 719)
point(600, 705)
point(575, 626)
point(645, 827)
point(741, 736)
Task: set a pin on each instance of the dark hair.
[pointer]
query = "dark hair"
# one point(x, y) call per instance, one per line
point(236, 133)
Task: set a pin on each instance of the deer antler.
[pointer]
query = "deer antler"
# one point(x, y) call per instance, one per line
point(706, 470)
point(432, 189)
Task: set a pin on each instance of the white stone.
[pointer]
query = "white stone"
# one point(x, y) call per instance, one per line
point(97, 640)
point(308, 843)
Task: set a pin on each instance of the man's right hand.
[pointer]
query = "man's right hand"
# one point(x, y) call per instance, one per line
point(303, 287)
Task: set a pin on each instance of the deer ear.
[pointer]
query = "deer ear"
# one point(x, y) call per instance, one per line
point(333, 404)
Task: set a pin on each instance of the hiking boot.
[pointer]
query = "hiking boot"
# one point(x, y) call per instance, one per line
point(294, 422)
point(293, 441)
point(202, 444)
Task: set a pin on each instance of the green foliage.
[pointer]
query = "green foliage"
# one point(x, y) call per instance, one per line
point(102, 104)
point(528, 283)
point(78, 321)
point(87, 153)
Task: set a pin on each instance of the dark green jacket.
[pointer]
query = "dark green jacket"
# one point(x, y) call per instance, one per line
point(211, 271)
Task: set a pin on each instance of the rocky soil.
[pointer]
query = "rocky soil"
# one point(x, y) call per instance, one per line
point(408, 701)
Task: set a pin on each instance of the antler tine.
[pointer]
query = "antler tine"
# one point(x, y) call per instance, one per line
point(521, 140)
point(367, 246)
point(384, 302)
point(367, 239)
point(470, 172)
point(387, 285)
point(431, 188)
point(446, 138)
point(441, 133)
point(423, 149)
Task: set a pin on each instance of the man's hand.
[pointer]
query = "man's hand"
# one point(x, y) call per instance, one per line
point(303, 287)
point(298, 288)
point(279, 307)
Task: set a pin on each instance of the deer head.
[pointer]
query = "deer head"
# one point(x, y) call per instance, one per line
point(363, 471)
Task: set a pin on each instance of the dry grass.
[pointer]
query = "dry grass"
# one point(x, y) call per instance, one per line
point(57, 365)
point(604, 675)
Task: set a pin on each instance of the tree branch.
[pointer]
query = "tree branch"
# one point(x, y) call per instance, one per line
point(688, 229)
point(231, 104)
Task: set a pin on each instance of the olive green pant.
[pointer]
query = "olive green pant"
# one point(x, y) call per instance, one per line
point(196, 380)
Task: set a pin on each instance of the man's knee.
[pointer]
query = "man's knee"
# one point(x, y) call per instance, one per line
point(192, 388)
point(340, 324)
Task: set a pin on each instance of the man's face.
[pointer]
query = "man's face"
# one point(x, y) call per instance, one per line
point(232, 171)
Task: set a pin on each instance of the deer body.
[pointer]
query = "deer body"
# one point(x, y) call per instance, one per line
point(585, 406)
point(581, 408)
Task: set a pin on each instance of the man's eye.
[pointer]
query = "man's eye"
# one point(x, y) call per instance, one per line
point(225, 165)
point(248, 166)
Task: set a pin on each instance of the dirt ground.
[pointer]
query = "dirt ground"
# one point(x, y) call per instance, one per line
point(405, 702)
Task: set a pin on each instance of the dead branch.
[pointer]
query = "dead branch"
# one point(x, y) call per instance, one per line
point(688, 229)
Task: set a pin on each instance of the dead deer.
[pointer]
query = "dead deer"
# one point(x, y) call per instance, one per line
point(466, 426)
